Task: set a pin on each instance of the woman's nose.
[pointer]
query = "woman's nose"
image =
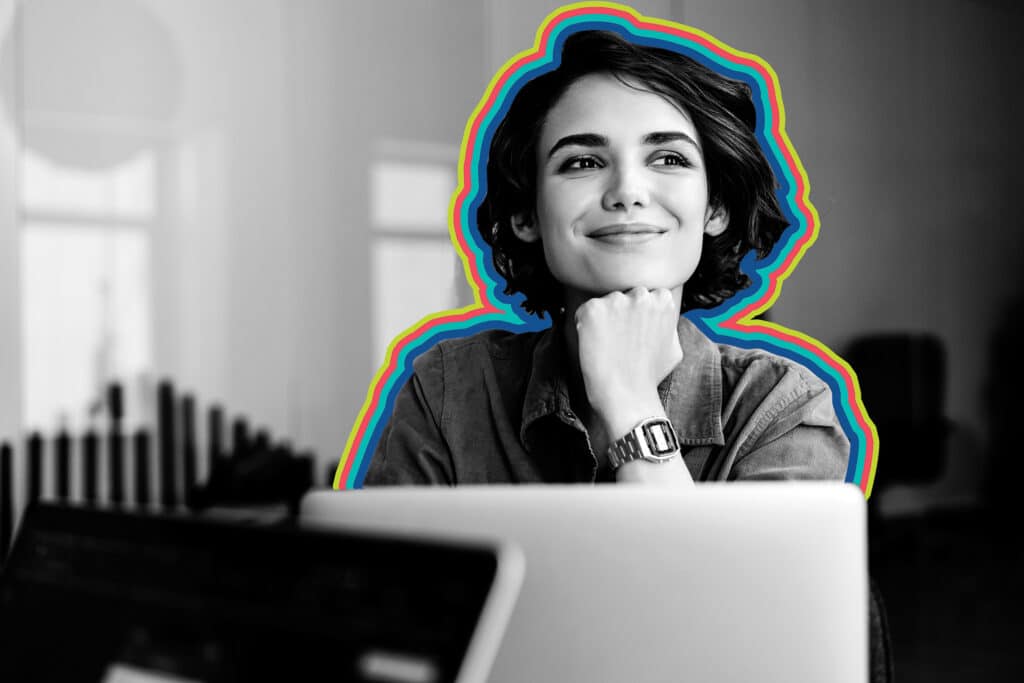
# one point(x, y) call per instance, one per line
point(626, 189)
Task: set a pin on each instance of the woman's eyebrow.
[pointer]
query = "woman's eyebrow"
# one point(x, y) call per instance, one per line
point(595, 140)
point(580, 139)
point(661, 137)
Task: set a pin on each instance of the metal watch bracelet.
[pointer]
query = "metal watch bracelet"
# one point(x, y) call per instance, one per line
point(652, 439)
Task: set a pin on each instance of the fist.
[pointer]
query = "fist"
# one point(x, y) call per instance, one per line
point(627, 346)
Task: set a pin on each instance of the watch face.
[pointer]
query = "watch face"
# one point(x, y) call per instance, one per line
point(660, 437)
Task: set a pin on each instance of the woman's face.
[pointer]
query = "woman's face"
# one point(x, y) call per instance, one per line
point(622, 193)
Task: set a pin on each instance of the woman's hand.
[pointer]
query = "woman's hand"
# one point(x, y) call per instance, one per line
point(627, 346)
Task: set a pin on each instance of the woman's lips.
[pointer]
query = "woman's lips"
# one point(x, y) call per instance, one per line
point(626, 233)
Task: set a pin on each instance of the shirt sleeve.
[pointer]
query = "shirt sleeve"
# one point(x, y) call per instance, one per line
point(796, 436)
point(412, 448)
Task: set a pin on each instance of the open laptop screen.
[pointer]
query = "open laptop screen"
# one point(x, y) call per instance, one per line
point(89, 595)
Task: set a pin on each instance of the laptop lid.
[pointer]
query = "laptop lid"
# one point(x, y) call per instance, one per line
point(92, 595)
point(727, 582)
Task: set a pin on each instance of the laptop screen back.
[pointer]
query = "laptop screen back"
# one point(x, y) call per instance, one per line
point(726, 582)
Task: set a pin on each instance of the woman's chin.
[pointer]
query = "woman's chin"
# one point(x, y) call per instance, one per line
point(578, 296)
point(629, 285)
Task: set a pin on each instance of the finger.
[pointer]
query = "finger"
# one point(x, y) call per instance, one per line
point(615, 297)
point(662, 296)
point(586, 308)
point(638, 293)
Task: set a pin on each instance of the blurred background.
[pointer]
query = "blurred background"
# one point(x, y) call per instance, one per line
point(246, 197)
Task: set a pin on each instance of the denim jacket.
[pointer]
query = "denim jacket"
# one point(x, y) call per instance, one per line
point(494, 408)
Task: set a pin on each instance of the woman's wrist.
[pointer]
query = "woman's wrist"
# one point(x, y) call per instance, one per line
point(623, 417)
point(624, 411)
point(672, 472)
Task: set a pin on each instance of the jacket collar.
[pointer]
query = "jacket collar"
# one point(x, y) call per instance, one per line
point(691, 394)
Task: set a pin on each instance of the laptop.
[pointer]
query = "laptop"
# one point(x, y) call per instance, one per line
point(113, 597)
point(726, 582)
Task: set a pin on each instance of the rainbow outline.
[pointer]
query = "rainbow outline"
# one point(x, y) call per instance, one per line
point(731, 322)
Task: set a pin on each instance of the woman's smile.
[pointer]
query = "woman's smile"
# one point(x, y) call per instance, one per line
point(626, 233)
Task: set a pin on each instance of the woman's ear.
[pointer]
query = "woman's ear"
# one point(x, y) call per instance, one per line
point(717, 220)
point(525, 229)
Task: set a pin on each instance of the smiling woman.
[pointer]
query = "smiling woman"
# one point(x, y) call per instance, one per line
point(623, 188)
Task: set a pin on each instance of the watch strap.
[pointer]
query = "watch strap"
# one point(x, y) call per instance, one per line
point(653, 440)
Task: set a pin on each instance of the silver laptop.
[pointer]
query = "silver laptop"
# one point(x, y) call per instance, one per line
point(726, 582)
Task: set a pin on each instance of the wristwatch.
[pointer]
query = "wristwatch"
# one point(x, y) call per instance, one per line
point(653, 440)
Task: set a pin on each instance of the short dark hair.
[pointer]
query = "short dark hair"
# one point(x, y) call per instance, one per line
point(739, 176)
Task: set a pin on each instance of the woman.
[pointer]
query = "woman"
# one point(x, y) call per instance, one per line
point(623, 188)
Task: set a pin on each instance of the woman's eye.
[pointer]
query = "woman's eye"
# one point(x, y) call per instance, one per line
point(580, 164)
point(671, 159)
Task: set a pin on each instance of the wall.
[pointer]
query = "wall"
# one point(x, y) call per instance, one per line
point(10, 360)
point(359, 74)
point(905, 123)
point(230, 291)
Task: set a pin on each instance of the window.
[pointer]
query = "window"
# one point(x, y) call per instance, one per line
point(415, 268)
point(85, 282)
